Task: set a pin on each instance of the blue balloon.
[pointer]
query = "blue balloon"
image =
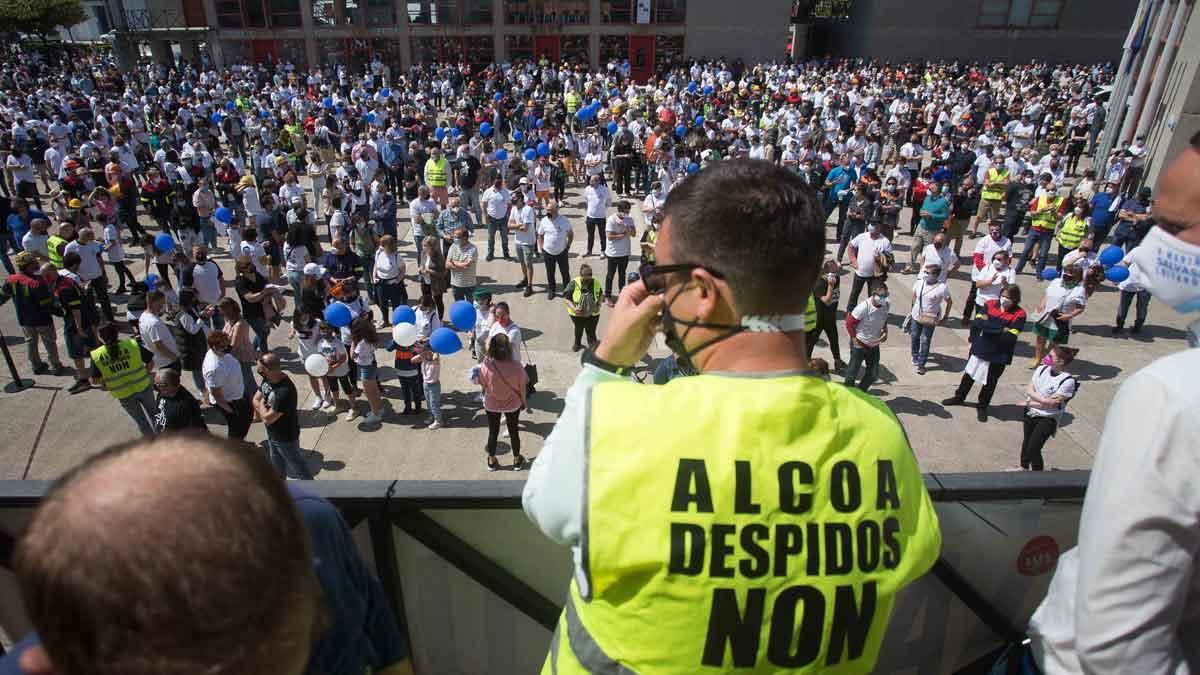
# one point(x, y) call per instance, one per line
point(264, 113)
point(699, 120)
point(462, 315)
point(151, 281)
point(615, 92)
point(497, 96)
point(517, 136)
point(693, 167)
point(530, 155)
point(540, 122)
point(440, 133)
point(231, 106)
point(327, 102)
point(692, 87)
point(612, 127)
point(455, 132)
point(708, 90)
point(543, 150)
point(385, 92)
point(445, 341)
point(1116, 274)
point(404, 314)
point(1049, 274)
point(216, 118)
point(340, 109)
point(501, 154)
point(337, 315)
point(164, 243)
point(224, 214)
point(583, 115)
point(370, 118)
point(485, 129)
point(1111, 256)
point(680, 131)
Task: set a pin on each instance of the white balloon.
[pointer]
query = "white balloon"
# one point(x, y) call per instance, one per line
point(405, 334)
point(316, 365)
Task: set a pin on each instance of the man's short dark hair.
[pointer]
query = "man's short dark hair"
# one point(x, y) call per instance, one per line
point(184, 554)
point(71, 260)
point(756, 223)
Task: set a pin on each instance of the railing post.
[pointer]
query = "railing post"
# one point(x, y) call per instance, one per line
point(17, 383)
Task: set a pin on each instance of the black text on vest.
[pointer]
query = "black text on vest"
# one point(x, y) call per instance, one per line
point(857, 534)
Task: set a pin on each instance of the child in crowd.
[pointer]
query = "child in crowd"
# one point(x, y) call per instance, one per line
point(331, 347)
point(427, 317)
point(483, 323)
point(306, 330)
point(409, 374)
point(431, 374)
point(364, 339)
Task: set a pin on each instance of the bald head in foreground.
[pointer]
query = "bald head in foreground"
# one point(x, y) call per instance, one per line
point(182, 555)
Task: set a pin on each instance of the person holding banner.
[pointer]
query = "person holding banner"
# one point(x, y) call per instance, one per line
point(751, 516)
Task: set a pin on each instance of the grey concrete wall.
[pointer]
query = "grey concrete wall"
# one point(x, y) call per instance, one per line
point(755, 30)
point(1089, 30)
point(1177, 117)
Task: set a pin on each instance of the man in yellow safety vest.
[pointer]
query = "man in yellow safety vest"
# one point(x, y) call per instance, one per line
point(437, 171)
point(995, 186)
point(1044, 213)
point(752, 516)
point(122, 367)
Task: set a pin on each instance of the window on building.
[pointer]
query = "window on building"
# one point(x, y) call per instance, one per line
point(670, 11)
point(576, 49)
point(336, 12)
point(285, 13)
point(558, 12)
point(519, 47)
point(1020, 13)
point(100, 16)
point(480, 50)
point(229, 14)
point(479, 11)
point(332, 51)
point(613, 48)
point(388, 52)
point(616, 11)
point(381, 13)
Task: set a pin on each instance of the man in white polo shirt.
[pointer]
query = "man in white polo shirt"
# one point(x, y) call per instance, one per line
point(525, 224)
point(205, 277)
point(599, 198)
point(937, 253)
point(495, 206)
point(554, 237)
point(985, 249)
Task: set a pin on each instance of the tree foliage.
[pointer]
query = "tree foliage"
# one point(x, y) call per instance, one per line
point(40, 17)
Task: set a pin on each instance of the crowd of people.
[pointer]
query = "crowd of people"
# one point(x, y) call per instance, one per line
point(301, 178)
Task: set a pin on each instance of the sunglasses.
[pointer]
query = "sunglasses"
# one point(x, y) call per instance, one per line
point(655, 276)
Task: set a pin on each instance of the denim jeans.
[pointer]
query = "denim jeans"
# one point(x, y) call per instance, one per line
point(1041, 240)
point(863, 355)
point(208, 233)
point(261, 332)
point(497, 225)
point(922, 336)
point(1143, 304)
point(142, 408)
point(433, 396)
point(287, 453)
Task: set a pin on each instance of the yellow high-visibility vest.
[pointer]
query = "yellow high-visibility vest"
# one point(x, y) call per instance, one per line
point(810, 314)
point(1073, 229)
point(435, 172)
point(578, 294)
point(768, 533)
point(572, 100)
point(994, 186)
point(54, 244)
point(1044, 217)
point(122, 369)
point(652, 240)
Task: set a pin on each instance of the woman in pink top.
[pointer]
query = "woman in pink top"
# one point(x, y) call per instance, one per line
point(503, 381)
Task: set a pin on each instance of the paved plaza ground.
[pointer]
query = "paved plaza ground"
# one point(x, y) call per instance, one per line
point(46, 430)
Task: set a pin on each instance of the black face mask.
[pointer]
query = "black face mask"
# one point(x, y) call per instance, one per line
point(675, 341)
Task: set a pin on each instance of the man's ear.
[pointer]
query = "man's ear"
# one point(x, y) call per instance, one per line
point(35, 661)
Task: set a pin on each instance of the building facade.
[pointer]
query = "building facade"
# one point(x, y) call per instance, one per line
point(403, 32)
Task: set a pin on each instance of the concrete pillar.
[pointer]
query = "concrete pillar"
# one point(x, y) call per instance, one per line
point(1142, 86)
point(190, 51)
point(799, 41)
point(124, 53)
point(1120, 91)
point(499, 42)
point(311, 53)
point(404, 36)
point(160, 51)
point(215, 52)
point(595, 21)
point(1163, 69)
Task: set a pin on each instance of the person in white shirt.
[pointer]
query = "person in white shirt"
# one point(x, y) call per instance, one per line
point(938, 253)
point(156, 334)
point(619, 232)
point(930, 294)
point(1065, 299)
point(223, 380)
point(1131, 289)
point(993, 279)
point(864, 250)
point(554, 237)
point(1050, 388)
point(985, 252)
point(36, 240)
point(91, 267)
point(502, 323)
point(115, 252)
point(598, 198)
point(496, 203)
point(866, 325)
point(524, 224)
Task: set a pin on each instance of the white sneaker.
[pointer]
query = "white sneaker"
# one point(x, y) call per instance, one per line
point(328, 406)
point(372, 418)
point(317, 404)
point(435, 425)
point(351, 415)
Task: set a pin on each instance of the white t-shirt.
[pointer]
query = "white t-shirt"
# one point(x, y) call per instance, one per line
point(1000, 279)
point(513, 331)
point(495, 202)
point(222, 372)
point(257, 255)
point(871, 321)
point(333, 349)
point(617, 224)
point(527, 216)
point(987, 248)
point(36, 243)
point(364, 353)
point(1048, 384)
point(865, 249)
point(929, 298)
point(598, 199)
point(207, 282)
point(154, 329)
point(112, 239)
point(295, 258)
point(944, 257)
point(89, 264)
point(554, 233)
point(1060, 298)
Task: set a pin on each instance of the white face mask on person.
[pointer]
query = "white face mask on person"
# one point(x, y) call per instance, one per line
point(1169, 268)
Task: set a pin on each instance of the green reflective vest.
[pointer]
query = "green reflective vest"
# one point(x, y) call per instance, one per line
point(1045, 212)
point(1073, 229)
point(435, 172)
point(810, 314)
point(995, 185)
point(54, 246)
point(769, 533)
point(577, 295)
point(572, 99)
point(122, 369)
